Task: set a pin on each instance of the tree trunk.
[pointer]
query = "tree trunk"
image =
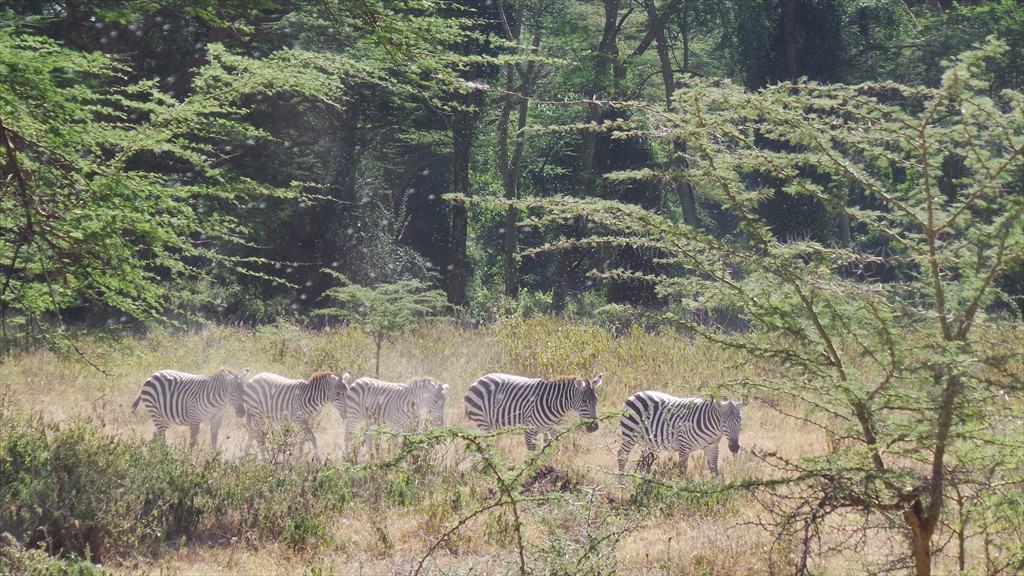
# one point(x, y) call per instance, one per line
point(459, 271)
point(463, 122)
point(511, 247)
point(378, 341)
point(683, 188)
point(510, 162)
point(584, 177)
point(789, 29)
point(920, 541)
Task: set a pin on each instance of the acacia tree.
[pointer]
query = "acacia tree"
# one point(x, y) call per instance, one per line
point(384, 310)
point(122, 194)
point(95, 208)
point(910, 378)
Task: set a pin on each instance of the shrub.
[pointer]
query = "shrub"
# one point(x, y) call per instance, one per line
point(73, 491)
point(16, 559)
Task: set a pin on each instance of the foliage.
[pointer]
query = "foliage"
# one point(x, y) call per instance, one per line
point(131, 196)
point(518, 489)
point(51, 474)
point(385, 310)
point(856, 351)
point(75, 491)
point(15, 559)
point(957, 28)
point(88, 220)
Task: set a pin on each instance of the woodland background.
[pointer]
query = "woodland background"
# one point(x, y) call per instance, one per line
point(216, 159)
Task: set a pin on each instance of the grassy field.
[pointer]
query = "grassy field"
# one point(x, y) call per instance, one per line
point(436, 509)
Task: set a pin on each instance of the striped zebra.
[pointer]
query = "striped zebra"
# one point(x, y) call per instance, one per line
point(658, 421)
point(501, 400)
point(406, 406)
point(173, 397)
point(272, 398)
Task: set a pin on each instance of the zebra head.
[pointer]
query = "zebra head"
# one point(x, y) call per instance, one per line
point(236, 384)
point(329, 382)
point(338, 400)
point(732, 420)
point(428, 399)
point(437, 404)
point(584, 402)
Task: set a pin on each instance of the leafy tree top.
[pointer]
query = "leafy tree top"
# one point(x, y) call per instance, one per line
point(901, 371)
point(385, 309)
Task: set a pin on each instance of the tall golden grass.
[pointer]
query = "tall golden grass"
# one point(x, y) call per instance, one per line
point(660, 535)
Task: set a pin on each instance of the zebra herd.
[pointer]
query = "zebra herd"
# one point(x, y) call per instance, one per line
point(654, 420)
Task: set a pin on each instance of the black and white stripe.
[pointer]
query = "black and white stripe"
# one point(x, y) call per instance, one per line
point(498, 401)
point(183, 399)
point(400, 406)
point(272, 398)
point(658, 421)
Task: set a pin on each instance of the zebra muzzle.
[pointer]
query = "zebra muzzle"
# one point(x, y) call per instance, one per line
point(734, 448)
point(591, 427)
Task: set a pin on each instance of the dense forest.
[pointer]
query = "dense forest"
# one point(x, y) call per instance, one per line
point(833, 189)
point(219, 159)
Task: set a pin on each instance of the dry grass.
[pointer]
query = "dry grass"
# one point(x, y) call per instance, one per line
point(385, 537)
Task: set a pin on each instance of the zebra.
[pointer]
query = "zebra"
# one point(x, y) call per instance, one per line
point(658, 421)
point(274, 398)
point(398, 406)
point(173, 397)
point(498, 401)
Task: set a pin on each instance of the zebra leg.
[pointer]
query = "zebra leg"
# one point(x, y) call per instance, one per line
point(350, 429)
point(262, 427)
point(312, 439)
point(161, 432)
point(214, 430)
point(531, 440)
point(368, 442)
point(248, 441)
point(194, 429)
point(711, 453)
point(647, 458)
point(684, 458)
point(627, 447)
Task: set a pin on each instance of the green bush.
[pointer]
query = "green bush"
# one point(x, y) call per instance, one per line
point(16, 559)
point(682, 496)
point(263, 501)
point(69, 490)
point(72, 490)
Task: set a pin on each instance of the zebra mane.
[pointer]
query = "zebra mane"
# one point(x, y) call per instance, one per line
point(728, 406)
point(564, 377)
point(417, 379)
point(229, 371)
point(319, 375)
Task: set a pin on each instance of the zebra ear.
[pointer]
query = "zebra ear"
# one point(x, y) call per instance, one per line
point(243, 375)
point(444, 387)
point(597, 381)
point(346, 377)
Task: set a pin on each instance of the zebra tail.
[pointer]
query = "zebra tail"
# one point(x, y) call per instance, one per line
point(135, 404)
